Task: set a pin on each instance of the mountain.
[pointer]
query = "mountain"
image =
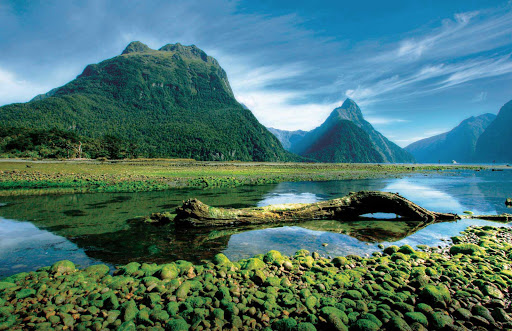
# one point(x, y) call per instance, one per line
point(344, 137)
point(458, 144)
point(171, 102)
point(340, 141)
point(494, 143)
point(287, 138)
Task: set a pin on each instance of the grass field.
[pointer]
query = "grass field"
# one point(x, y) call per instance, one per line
point(32, 177)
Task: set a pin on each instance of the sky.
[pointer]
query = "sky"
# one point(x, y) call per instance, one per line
point(416, 68)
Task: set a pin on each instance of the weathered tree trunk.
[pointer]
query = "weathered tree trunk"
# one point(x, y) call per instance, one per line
point(497, 218)
point(194, 213)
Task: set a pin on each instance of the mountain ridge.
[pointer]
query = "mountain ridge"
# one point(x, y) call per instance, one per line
point(458, 144)
point(172, 102)
point(359, 133)
point(494, 143)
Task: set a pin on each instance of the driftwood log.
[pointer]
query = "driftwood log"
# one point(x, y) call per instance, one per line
point(194, 213)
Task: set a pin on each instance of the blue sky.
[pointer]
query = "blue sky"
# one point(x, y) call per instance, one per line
point(416, 68)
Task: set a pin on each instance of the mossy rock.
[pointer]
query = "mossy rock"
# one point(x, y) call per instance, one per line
point(285, 324)
point(97, 271)
point(177, 324)
point(169, 271)
point(339, 261)
point(406, 249)
point(253, 264)
point(274, 257)
point(438, 296)
point(306, 327)
point(399, 324)
point(5, 285)
point(365, 325)
point(221, 259)
point(130, 268)
point(390, 250)
point(418, 317)
point(63, 267)
point(127, 326)
point(440, 320)
point(467, 249)
point(25, 293)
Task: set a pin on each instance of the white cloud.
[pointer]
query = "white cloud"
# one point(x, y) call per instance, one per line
point(482, 96)
point(15, 89)
point(384, 120)
point(273, 109)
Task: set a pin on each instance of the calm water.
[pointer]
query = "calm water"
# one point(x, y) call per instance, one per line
point(91, 228)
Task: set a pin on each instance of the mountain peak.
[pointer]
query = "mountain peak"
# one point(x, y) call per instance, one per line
point(349, 103)
point(349, 111)
point(191, 51)
point(136, 47)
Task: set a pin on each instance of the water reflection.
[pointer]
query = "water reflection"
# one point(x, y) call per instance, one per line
point(109, 227)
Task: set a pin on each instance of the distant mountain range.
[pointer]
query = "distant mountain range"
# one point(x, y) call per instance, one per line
point(458, 144)
point(344, 137)
point(482, 139)
point(171, 102)
point(495, 143)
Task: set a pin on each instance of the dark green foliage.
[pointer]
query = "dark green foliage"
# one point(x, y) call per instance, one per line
point(175, 102)
point(346, 136)
point(57, 143)
point(343, 142)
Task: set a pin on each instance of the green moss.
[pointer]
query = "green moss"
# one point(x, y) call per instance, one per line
point(365, 325)
point(398, 324)
point(253, 264)
point(285, 324)
point(274, 257)
point(25, 293)
point(63, 267)
point(390, 250)
point(406, 249)
point(177, 325)
point(438, 296)
point(413, 317)
point(440, 320)
point(468, 249)
point(339, 261)
point(306, 327)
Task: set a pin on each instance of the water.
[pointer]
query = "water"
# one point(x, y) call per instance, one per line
point(106, 228)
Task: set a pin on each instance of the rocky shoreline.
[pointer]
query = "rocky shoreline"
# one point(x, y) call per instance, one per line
point(459, 287)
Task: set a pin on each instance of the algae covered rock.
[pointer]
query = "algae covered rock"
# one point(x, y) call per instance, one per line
point(253, 264)
point(467, 248)
point(63, 267)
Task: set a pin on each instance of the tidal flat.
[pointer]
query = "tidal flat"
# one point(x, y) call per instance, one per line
point(22, 177)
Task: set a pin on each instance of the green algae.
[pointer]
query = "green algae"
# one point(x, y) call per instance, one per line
point(398, 291)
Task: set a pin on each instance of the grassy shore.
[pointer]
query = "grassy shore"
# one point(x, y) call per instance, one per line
point(459, 287)
point(29, 177)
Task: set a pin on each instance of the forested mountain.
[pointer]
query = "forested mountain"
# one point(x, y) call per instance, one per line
point(458, 144)
point(345, 137)
point(171, 102)
point(494, 144)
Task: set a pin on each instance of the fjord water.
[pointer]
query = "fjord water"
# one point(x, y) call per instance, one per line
point(106, 228)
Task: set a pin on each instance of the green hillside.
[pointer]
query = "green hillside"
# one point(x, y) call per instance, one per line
point(171, 102)
point(345, 136)
point(343, 142)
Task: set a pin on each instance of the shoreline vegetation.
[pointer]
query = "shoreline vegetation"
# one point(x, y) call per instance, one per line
point(25, 177)
point(464, 286)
